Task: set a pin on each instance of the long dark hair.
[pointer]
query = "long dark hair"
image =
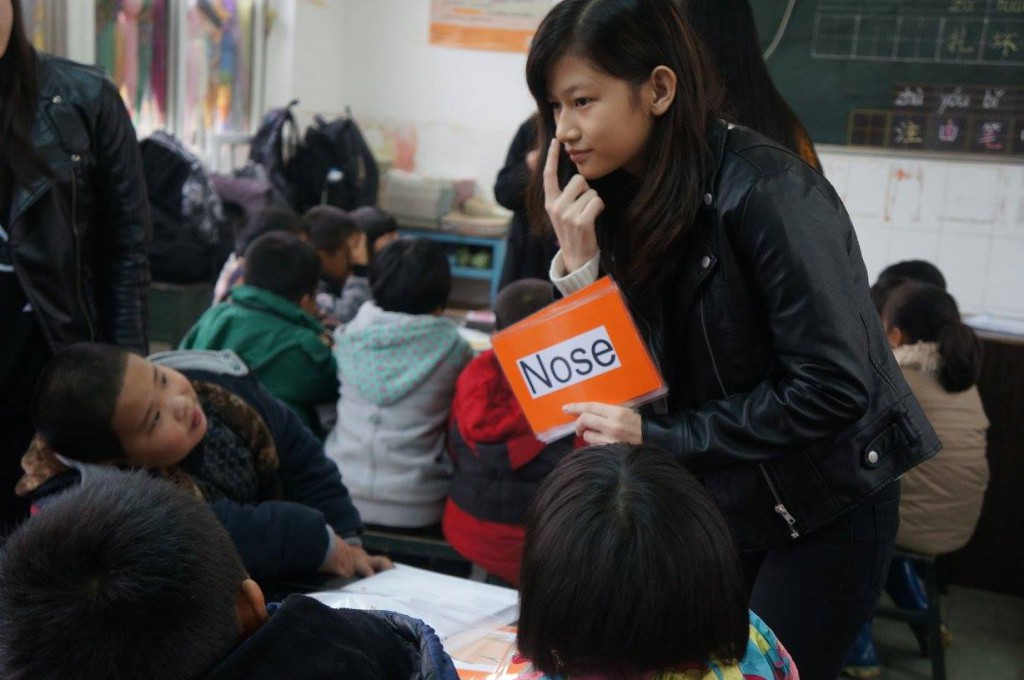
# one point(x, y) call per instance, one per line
point(19, 90)
point(728, 30)
point(628, 567)
point(627, 39)
point(929, 314)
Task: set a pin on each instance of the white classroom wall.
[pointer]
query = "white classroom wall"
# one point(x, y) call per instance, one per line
point(464, 106)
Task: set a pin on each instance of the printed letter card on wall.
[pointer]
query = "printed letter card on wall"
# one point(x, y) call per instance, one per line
point(582, 348)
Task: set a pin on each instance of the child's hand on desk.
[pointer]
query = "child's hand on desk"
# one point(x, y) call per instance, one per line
point(606, 424)
point(351, 560)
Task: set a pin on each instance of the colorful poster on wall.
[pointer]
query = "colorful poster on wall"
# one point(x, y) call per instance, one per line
point(499, 25)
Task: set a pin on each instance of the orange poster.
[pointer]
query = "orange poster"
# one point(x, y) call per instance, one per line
point(500, 25)
point(582, 348)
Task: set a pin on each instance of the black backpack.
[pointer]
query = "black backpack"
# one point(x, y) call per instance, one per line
point(334, 165)
point(191, 237)
point(275, 146)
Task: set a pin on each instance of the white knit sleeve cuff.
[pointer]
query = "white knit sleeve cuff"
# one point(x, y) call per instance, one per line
point(570, 282)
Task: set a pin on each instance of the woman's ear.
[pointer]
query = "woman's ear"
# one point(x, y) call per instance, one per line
point(661, 90)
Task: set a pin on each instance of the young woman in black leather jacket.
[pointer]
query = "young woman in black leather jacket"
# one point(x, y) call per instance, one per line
point(743, 271)
point(74, 223)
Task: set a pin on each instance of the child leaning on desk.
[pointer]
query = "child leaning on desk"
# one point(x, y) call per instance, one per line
point(630, 572)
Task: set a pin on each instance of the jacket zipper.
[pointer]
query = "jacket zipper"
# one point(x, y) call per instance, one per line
point(78, 249)
point(780, 507)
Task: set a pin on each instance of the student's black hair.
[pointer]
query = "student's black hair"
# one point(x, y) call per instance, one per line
point(410, 276)
point(375, 223)
point(883, 288)
point(628, 39)
point(19, 99)
point(895, 275)
point(283, 264)
point(628, 568)
point(126, 576)
point(927, 313)
point(520, 299)
point(915, 270)
point(75, 396)
point(728, 29)
point(330, 227)
point(269, 220)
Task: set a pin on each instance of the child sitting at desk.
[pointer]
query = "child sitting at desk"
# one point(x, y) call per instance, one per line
point(397, 363)
point(213, 429)
point(630, 571)
point(498, 461)
point(341, 246)
point(130, 577)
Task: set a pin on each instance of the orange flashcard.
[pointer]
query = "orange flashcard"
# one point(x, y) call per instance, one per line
point(582, 348)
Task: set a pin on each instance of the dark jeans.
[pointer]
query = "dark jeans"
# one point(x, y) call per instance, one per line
point(817, 592)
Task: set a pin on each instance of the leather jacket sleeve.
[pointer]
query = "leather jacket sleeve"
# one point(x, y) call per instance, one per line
point(122, 227)
point(797, 251)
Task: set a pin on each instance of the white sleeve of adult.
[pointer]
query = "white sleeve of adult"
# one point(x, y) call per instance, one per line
point(570, 282)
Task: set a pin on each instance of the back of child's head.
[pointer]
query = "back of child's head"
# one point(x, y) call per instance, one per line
point(628, 568)
point(282, 264)
point(411, 276)
point(330, 227)
point(925, 313)
point(915, 270)
point(375, 223)
point(74, 401)
point(124, 577)
point(895, 275)
point(519, 300)
point(270, 220)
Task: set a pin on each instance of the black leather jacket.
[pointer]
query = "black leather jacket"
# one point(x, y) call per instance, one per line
point(78, 239)
point(784, 396)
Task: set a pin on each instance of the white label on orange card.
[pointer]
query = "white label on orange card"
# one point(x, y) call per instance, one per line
point(571, 361)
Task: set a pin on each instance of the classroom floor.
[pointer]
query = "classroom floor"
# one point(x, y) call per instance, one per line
point(988, 639)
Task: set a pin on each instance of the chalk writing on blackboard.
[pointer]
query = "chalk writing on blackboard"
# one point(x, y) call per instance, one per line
point(938, 117)
point(979, 32)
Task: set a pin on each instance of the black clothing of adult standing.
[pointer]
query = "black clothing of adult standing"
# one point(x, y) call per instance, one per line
point(784, 397)
point(527, 255)
point(74, 245)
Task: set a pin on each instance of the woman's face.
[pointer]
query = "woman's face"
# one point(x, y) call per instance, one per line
point(6, 23)
point(599, 120)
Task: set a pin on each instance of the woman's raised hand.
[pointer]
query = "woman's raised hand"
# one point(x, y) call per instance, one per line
point(572, 211)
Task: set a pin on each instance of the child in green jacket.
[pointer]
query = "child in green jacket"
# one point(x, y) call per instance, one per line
point(270, 322)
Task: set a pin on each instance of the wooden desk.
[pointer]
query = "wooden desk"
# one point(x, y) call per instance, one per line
point(994, 558)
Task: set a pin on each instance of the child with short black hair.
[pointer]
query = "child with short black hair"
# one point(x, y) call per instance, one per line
point(341, 245)
point(397, 363)
point(266, 221)
point(212, 428)
point(498, 460)
point(380, 228)
point(630, 571)
point(130, 577)
point(270, 321)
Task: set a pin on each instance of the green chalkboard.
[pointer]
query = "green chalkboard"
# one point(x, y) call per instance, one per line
point(943, 75)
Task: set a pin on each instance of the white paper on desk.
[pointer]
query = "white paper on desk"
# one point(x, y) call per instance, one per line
point(451, 606)
point(996, 324)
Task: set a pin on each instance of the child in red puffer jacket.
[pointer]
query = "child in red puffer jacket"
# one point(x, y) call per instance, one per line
point(498, 461)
